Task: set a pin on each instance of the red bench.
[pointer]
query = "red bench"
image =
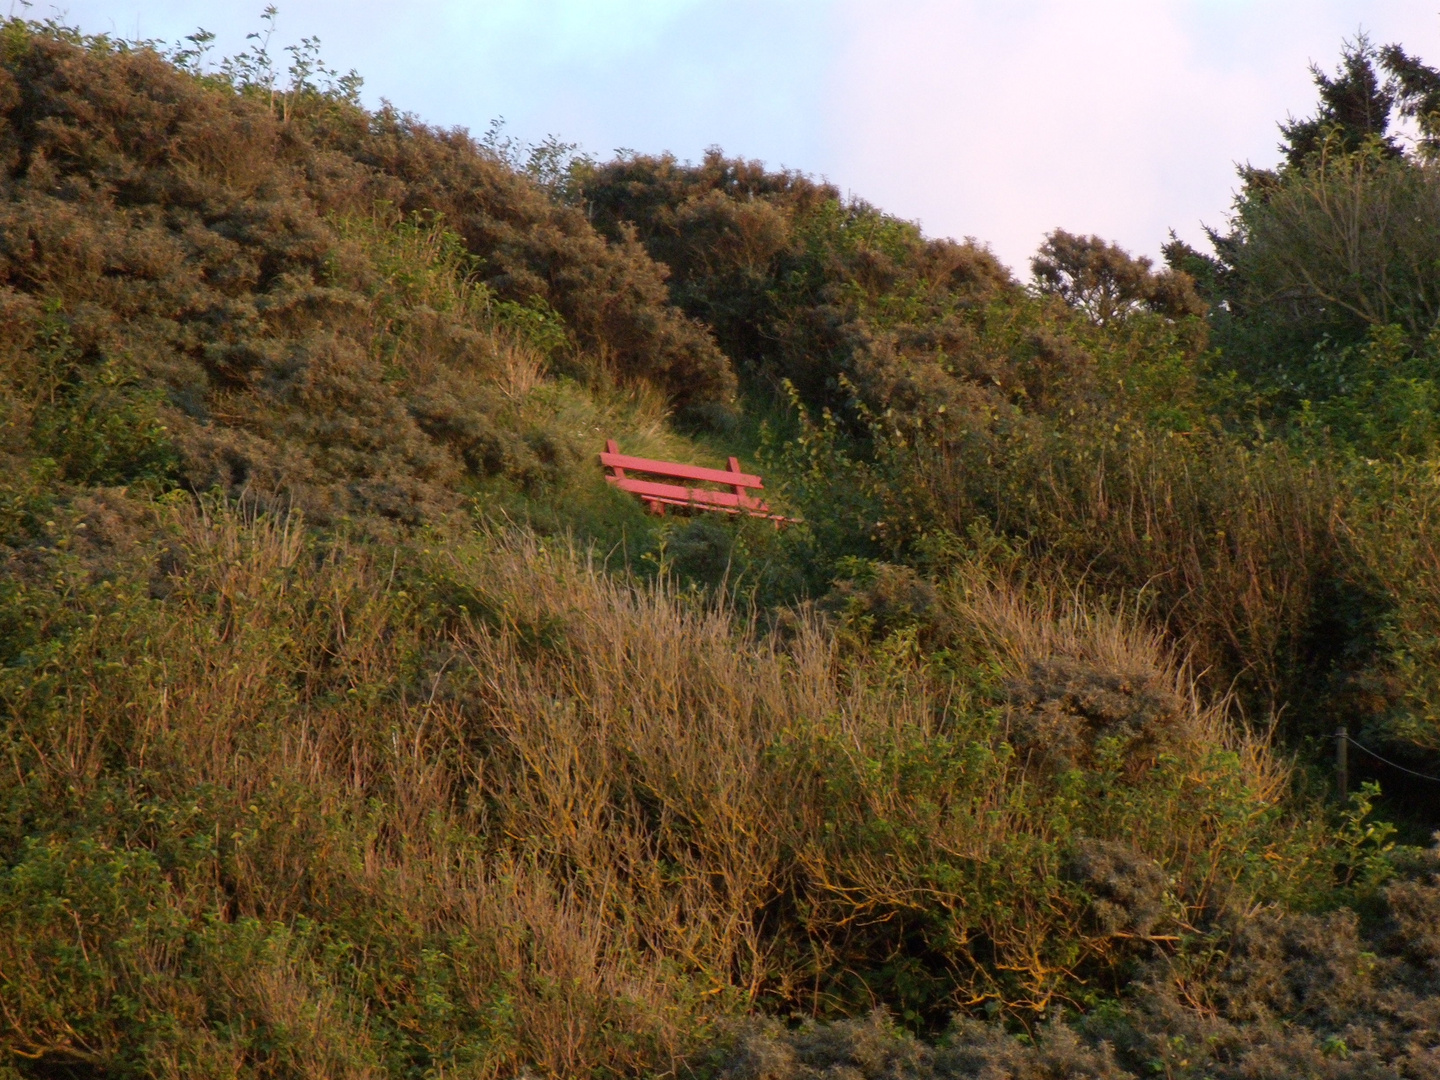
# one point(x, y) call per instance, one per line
point(659, 495)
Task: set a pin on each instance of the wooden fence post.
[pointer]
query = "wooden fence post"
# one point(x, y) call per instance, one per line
point(1342, 762)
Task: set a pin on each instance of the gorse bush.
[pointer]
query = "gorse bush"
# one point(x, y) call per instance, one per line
point(1295, 995)
point(796, 283)
point(227, 264)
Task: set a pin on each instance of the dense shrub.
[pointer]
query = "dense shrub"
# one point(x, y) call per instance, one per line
point(1284, 995)
point(612, 295)
point(173, 254)
point(796, 282)
point(1331, 300)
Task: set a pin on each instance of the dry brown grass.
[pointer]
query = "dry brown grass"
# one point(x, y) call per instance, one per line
point(1022, 626)
point(485, 788)
point(1240, 553)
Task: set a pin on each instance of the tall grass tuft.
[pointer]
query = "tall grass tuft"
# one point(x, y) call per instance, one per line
point(476, 804)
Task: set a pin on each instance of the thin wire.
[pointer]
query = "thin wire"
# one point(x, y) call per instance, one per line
point(1387, 761)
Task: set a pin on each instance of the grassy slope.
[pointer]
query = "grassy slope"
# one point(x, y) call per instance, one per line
point(316, 766)
point(1093, 424)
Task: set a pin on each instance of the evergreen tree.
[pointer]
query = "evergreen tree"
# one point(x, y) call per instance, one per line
point(1416, 89)
point(1355, 106)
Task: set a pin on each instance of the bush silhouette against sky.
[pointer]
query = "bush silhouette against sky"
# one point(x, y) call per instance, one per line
point(1120, 118)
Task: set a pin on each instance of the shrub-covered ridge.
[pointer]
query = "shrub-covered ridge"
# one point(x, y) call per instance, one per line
point(161, 232)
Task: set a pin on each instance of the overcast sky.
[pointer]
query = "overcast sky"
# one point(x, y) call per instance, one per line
point(997, 119)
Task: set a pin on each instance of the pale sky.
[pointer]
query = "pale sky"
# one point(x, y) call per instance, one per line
point(999, 120)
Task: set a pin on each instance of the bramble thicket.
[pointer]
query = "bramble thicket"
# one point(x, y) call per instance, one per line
point(353, 726)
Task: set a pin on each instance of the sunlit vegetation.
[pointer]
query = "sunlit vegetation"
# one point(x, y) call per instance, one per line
point(353, 726)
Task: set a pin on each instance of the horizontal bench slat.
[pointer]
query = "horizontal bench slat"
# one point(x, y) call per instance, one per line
point(674, 494)
point(679, 472)
point(762, 511)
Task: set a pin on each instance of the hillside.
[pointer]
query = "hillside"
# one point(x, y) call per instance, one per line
point(353, 726)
